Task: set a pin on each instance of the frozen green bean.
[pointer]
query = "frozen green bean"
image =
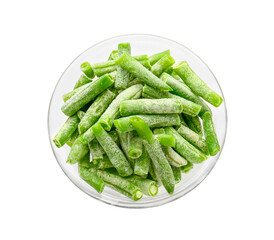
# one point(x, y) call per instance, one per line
point(186, 168)
point(177, 174)
point(182, 90)
point(104, 163)
point(166, 140)
point(147, 186)
point(77, 101)
point(87, 69)
point(124, 142)
point(138, 70)
point(85, 161)
point(156, 57)
point(196, 84)
point(83, 80)
point(189, 107)
point(173, 157)
point(141, 164)
point(96, 150)
point(135, 145)
point(114, 153)
point(150, 106)
point(91, 178)
point(66, 131)
point(155, 120)
point(186, 149)
point(160, 66)
point(113, 55)
point(77, 152)
point(122, 78)
point(96, 110)
point(80, 115)
point(156, 153)
point(134, 82)
point(210, 134)
point(121, 184)
point(73, 137)
point(152, 173)
point(193, 123)
point(159, 131)
point(194, 138)
point(112, 112)
point(68, 95)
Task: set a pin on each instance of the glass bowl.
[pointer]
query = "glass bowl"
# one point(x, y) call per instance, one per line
point(140, 44)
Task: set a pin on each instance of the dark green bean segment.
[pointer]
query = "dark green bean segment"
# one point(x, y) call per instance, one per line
point(122, 184)
point(155, 120)
point(85, 161)
point(186, 149)
point(91, 178)
point(173, 157)
point(114, 153)
point(112, 112)
point(135, 145)
point(138, 70)
point(96, 110)
point(210, 134)
point(152, 173)
point(73, 137)
point(182, 90)
point(166, 140)
point(162, 167)
point(189, 107)
point(194, 138)
point(177, 174)
point(124, 141)
point(96, 150)
point(141, 164)
point(83, 80)
point(187, 167)
point(66, 131)
point(147, 186)
point(160, 66)
point(87, 69)
point(113, 55)
point(156, 57)
point(80, 115)
point(193, 123)
point(196, 84)
point(81, 98)
point(150, 106)
point(68, 95)
point(104, 163)
point(122, 78)
point(77, 151)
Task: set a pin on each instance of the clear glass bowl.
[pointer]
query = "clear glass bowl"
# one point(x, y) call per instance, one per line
point(140, 44)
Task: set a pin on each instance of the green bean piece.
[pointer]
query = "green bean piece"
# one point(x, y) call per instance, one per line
point(147, 186)
point(210, 134)
point(92, 179)
point(193, 123)
point(150, 106)
point(102, 71)
point(160, 66)
point(138, 70)
point(141, 164)
point(113, 55)
point(134, 82)
point(124, 142)
point(87, 69)
point(96, 150)
point(114, 153)
point(122, 78)
point(156, 57)
point(68, 95)
point(120, 184)
point(194, 138)
point(162, 167)
point(176, 76)
point(114, 135)
point(189, 107)
point(182, 90)
point(152, 172)
point(166, 140)
point(66, 131)
point(96, 110)
point(135, 147)
point(186, 149)
point(196, 84)
point(85, 161)
point(80, 115)
point(81, 98)
point(159, 131)
point(83, 80)
point(173, 157)
point(104, 163)
point(161, 120)
point(112, 112)
point(187, 168)
point(73, 137)
point(86, 137)
point(77, 152)
point(177, 174)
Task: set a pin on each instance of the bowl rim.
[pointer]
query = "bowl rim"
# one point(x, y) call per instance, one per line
point(194, 184)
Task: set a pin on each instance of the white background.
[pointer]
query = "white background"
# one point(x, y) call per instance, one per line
point(39, 39)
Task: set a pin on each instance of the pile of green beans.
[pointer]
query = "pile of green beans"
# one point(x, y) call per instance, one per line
point(140, 124)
